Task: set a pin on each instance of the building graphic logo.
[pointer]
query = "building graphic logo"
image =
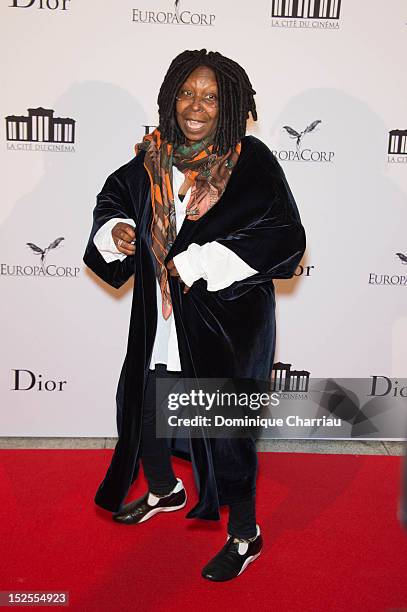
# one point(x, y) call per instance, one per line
point(305, 13)
point(176, 16)
point(283, 379)
point(394, 279)
point(397, 147)
point(40, 126)
point(43, 269)
point(299, 153)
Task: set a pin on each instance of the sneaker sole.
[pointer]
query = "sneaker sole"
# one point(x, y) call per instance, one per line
point(248, 561)
point(157, 510)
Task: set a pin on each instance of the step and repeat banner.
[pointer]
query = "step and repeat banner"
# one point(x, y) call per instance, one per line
point(79, 86)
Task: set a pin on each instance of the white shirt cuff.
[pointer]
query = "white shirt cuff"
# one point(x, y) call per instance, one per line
point(103, 240)
point(214, 262)
point(188, 264)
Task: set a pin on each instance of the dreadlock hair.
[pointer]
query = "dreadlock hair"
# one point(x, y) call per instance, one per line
point(235, 98)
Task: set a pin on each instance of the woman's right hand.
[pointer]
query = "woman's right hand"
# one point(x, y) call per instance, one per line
point(123, 234)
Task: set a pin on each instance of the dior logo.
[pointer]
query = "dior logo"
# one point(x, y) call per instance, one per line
point(52, 5)
point(148, 129)
point(303, 270)
point(383, 385)
point(26, 380)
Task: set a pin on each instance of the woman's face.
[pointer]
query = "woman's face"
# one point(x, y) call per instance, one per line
point(197, 107)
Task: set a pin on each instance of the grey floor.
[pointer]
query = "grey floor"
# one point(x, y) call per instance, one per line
point(351, 447)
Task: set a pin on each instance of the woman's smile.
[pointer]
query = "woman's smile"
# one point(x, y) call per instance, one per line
point(195, 125)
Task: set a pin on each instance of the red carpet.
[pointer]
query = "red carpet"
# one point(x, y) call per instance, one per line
point(332, 539)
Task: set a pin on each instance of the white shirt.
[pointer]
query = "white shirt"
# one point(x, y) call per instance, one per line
point(212, 261)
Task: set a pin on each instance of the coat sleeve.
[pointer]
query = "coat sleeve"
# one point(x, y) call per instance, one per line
point(112, 202)
point(273, 243)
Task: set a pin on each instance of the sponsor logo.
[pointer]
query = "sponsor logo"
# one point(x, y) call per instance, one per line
point(43, 252)
point(383, 386)
point(303, 153)
point(40, 131)
point(177, 16)
point(43, 269)
point(402, 257)
point(52, 5)
point(148, 128)
point(393, 279)
point(312, 14)
point(285, 380)
point(397, 147)
point(303, 270)
point(26, 380)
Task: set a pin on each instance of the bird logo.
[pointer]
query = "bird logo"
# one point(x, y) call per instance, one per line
point(43, 252)
point(402, 257)
point(299, 135)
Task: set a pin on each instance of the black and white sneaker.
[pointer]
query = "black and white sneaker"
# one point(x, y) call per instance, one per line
point(147, 506)
point(233, 559)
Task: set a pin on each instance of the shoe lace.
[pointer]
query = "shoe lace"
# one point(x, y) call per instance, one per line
point(243, 540)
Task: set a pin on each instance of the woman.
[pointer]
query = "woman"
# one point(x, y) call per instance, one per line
point(204, 218)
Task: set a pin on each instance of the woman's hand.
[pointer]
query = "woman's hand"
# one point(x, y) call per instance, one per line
point(174, 272)
point(123, 234)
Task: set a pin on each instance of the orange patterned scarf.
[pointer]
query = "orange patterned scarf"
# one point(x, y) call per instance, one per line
point(206, 173)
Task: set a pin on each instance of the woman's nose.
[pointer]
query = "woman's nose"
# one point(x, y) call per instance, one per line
point(197, 104)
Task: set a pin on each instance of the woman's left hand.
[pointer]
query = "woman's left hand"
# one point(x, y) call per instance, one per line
point(174, 272)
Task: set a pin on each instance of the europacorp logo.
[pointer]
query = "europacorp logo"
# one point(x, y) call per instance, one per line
point(393, 278)
point(306, 141)
point(173, 14)
point(43, 268)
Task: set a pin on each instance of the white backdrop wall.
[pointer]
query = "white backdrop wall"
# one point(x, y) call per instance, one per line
point(100, 64)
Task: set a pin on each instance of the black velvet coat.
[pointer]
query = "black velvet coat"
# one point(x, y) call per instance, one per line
point(221, 334)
